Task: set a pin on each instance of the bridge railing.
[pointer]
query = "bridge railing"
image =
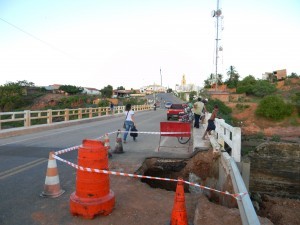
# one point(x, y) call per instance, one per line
point(30, 118)
point(231, 135)
point(225, 133)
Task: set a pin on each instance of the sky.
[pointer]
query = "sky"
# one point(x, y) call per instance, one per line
point(134, 43)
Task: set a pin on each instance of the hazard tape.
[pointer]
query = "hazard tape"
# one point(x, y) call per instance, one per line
point(138, 132)
point(78, 146)
point(147, 132)
point(237, 196)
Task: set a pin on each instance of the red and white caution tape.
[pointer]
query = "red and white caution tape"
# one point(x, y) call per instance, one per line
point(159, 133)
point(138, 132)
point(78, 146)
point(237, 196)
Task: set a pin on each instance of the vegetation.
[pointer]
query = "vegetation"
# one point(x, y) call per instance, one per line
point(104, 103)
point(233, 77)
point(70, 89)
point(274, 108)
point(296, 101)
point(208, 82)
point(134, 101)
point(120, 88)
point(258, 88)
point(241, 107)
point(293, 75)
point(13, 95)
point(224, 111)
point(245, 86)
point(263, 88)
point(76, 101)
point(107, 91)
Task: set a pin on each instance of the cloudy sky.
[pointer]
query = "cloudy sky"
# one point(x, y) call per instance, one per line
point(95, 43)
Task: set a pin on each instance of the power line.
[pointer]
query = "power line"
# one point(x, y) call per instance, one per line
point(36, 38)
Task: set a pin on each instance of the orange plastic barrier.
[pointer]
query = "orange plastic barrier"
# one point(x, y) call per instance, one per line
point(179, 215)
point(176, 127)
point(93, 195)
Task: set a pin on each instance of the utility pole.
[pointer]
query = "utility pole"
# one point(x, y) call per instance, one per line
point(160, 78)
point(217, 13)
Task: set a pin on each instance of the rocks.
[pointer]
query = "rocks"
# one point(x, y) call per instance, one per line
point(275, 169)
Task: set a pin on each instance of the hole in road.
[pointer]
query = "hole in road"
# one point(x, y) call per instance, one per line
point(164, 168)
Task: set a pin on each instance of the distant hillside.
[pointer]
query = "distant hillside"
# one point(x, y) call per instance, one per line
point(252, 124)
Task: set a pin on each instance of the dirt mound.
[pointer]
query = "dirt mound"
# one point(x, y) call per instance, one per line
point(46, 100)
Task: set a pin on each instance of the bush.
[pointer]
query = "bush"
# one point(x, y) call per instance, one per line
point(263, 88)
point(273, 107)
point(259, 136)
point(241, 106)
point(224, 111)
point(275, 138)
point(104, 103)
point(296, 101)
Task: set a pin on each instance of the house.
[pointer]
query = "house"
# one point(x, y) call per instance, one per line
point(150, 89)
point(90, 91)
point(278, 74)
point(54, 88)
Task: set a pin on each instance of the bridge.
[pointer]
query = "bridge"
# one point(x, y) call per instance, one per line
point(97, 122)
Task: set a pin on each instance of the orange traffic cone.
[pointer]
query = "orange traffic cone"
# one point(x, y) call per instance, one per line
point(52, 187)
point(119, 145)
point(107, 145)
point(179, 215)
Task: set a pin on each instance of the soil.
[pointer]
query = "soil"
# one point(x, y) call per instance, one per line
point(46, 100)
point(280, 211)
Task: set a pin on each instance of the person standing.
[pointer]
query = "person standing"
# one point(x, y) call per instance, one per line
point(211, 121)
point(202, 118)
point(112, 107)
point(198, 107)
point(129, 121)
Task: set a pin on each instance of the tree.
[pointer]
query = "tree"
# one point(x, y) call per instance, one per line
point(70, 89)
point(107, 91)
point(11, 96)
point(246, 85)
point(212, 80)
point(121, 88)
point(233, 79)
point(25, 83)
point(263, 88)
point(293, 75)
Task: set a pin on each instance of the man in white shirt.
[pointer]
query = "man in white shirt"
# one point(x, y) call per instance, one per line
point(198, 107)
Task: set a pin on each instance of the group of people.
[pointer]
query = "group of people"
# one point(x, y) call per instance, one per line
point(199, 114)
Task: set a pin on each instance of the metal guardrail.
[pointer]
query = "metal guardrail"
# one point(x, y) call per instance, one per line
point(247, 211)
point(49, 116)
point(232, 136)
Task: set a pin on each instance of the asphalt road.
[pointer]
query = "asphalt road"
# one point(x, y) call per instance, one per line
point(23, 163)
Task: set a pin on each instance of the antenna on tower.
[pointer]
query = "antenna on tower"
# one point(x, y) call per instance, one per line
point(217, 14)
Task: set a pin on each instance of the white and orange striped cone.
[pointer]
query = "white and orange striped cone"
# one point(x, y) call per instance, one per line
point(119, 145)
point(52, 187)
point(107, 145)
